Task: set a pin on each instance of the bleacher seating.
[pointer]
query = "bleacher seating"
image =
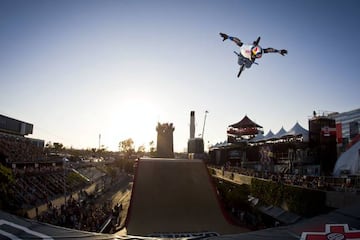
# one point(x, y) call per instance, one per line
point(32, 190)
point(19, 149)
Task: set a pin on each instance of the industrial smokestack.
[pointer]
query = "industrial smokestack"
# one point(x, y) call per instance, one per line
point(192, 124)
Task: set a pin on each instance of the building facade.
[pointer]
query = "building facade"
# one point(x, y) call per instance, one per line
point(347, 126)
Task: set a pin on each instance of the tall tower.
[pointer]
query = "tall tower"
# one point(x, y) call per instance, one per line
point(322, 141)
point(165, 145)
point(192, 124)
point(195, 145)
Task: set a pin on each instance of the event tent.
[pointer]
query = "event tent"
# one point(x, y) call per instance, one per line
point(349, 161)
point(280, 133)
point(298, 130)
point(268, 136)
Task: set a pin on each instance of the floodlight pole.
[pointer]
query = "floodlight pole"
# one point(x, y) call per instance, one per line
point(202, 135)
point(99, 140)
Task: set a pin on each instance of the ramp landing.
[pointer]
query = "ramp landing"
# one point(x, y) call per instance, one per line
point(175, 196)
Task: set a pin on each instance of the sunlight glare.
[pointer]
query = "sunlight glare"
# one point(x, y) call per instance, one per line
point(136, 119)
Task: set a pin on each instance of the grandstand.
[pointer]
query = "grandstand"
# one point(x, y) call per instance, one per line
point(15, 127)
point(14, 146)
point(47, 186)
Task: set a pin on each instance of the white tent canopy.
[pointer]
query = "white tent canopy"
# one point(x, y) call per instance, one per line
point(349, 161)
point(268, 136)
point(280, 133)
point(298, 130)
point(257, 138)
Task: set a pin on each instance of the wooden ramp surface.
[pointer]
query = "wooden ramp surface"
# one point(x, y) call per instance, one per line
point(175, 196)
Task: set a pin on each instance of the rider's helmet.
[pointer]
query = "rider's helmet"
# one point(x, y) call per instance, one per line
point(256, 52)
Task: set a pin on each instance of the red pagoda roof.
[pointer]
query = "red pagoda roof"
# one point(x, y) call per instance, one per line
point(245, 123)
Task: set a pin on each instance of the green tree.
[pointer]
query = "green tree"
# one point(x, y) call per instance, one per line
point(93, 150)
point(6, 179)
point(58, 146)
point(141, 149)
point(127, 147)
point(49, 145)
point(102, 149)
point(152, 148)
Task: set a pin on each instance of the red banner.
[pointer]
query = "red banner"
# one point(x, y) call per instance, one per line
point(339, 132)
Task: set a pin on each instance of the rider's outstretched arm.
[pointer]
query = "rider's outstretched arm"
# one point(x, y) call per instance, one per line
point(273, 50)
point(234, 39)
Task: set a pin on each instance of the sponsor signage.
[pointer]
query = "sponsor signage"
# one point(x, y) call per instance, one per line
point(332, 232)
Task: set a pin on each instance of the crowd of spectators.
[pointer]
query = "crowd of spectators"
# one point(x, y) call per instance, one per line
point(36, 169)
point(315, 182)
point(82, 214)
point(37, 177)
point(36, 187)
point(40, 178)
point(20, 149)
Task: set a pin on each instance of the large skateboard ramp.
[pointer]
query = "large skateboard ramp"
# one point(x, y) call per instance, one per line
point(175, 196)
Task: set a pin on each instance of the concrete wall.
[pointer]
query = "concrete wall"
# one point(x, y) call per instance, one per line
point(342, 199)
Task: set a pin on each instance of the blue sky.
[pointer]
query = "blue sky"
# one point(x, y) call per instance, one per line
point(77, 69)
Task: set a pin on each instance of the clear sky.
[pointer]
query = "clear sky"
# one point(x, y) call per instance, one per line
point(77, 69)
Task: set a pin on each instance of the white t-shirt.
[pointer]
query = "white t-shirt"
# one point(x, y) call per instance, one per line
point(245, 50)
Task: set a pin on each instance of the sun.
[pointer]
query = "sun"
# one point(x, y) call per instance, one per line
point(135, 118)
